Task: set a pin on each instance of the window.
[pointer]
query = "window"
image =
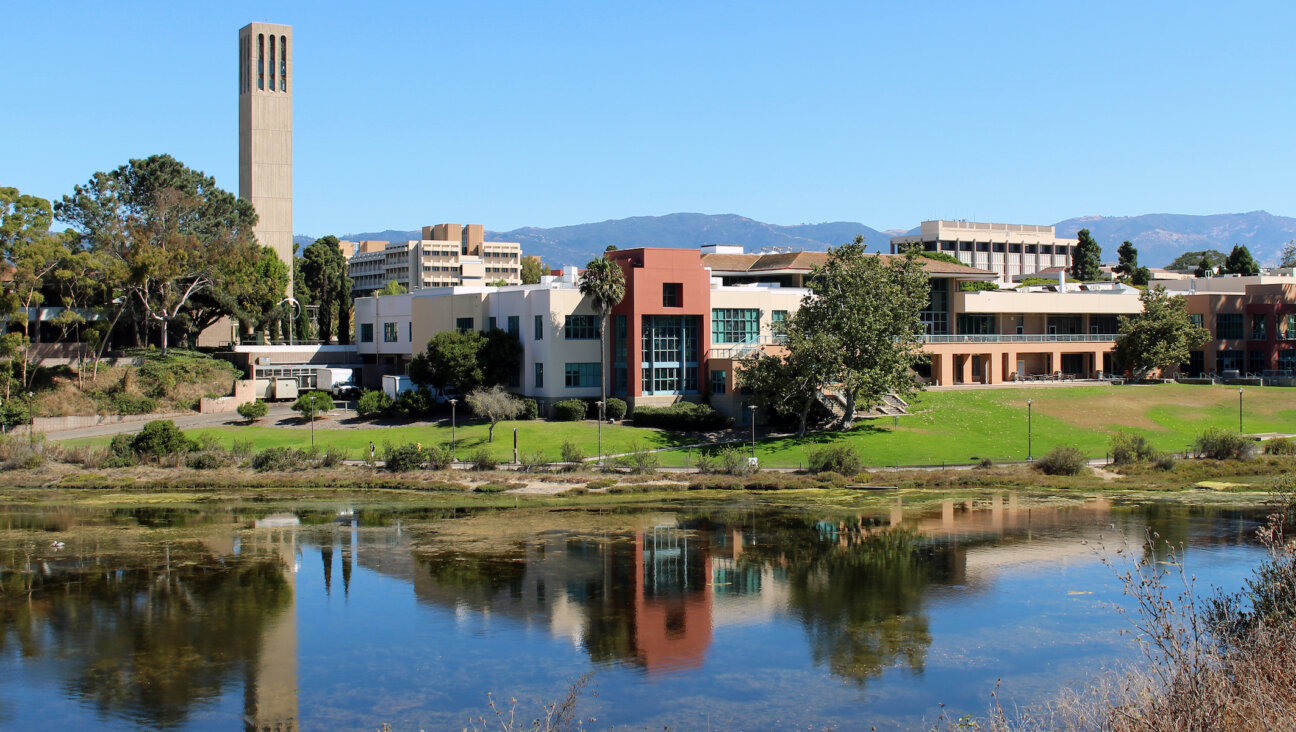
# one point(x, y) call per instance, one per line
point(669, 346)
point(779, 316)
point(1021, 325)
point(411, 331)
point(948, 246)
point(273, 42)
point(581, 328)
point(718, 382)
point(672, 295)
point(1228, 326)
point(463, 325)
point(935, 316)
point(261, 61)
point(976, 324)
point(539, 328)
point(366, 332)
point(1014, 248)
point(999, 247)
point(1256, 362)
point(1228, 361)
point(1198, 320)
point(1287, 360)
point(283, 63)
point(389, 333)
point(1290, 332)
point(1259, 329)
point(582, 375)
point(539, 375)
point(735, 325)
point(1196, 363)
point(515, 326)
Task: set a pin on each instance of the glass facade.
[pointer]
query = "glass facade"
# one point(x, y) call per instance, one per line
point(670, 354)
point(581, 328)
point(1196, 363)
point(1287, 360)
point(976, 324)
point(1259, 327)
point(1228, 326)
point(620, 355)
point(1228, 361)
point(935, 317)
point(735, 325)
point(582, 375)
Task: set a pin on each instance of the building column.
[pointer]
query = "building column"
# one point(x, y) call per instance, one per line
point(1097, 362)
point(967, 369)
point(944, 372)
point(995, 368)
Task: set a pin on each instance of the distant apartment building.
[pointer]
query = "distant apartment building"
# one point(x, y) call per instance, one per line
point(1252, 322)
point(447, 255)
point(1008, 250)
point(690, 317)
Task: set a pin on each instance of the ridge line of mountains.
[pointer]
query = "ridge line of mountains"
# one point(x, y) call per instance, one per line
point(1159, 237)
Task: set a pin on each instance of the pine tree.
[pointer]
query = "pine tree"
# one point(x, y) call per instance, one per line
point(1128, 264)
point(1240, 262)
point(1086, 263)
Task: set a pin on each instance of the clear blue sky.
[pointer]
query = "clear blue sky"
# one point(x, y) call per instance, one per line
point(543, 114)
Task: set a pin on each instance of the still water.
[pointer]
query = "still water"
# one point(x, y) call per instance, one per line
point(335, 617)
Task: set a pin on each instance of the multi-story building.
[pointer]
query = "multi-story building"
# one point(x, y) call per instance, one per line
point(1008, 250)
point(688, 318)
point(1252, 322)
point(447, 255)
point(366, 265)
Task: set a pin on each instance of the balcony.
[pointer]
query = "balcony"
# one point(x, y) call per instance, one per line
point(1026, 338)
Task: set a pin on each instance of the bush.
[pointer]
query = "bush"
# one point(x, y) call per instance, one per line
point(1280, 446)
point(415, 404)
point(241, 448)
point(706, 462)
point(492, 488)
point(482, 459)
point(1221, 444)
point(333, 457)
point(1127, 448)
point(615, 409)
point(734, 461)
point(985, 463)
point(1165, 461)
point(639, 460)
point(1062, 460)
point(123, 403)
point(373, 404)
point(282, 459)
point(253, 410)
point(571, 453)
point(313, 405)
point(841, 459)
point(160, 438)
point(569, 410)
point(682, 416)
point(832, 477)
point(404, 458)
point(533, 462)
point(206, 461)
point(530, 410)
point(439, 457)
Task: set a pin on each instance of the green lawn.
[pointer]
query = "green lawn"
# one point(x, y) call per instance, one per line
point(963, 426)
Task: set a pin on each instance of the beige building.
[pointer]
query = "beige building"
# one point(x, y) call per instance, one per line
point(447, 255)
point(265, 133)
point(1008, 250)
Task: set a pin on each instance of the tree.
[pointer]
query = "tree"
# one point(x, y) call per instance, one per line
point(1128, 263)
point(787, 384)
point(1160, 337)
point(532, 270)
point(1086, 262)
point(1142, 276)
point(1189, 260)
point(373, 403)
point(180, 240)
point(33, 255)
point(603, 283)
point(324, 276)
point(863, 316)
point(253, 410)
point(1288, 257)
point(1240, 262)
point(312, 405)
point(391, 288)
point(500, 358)
point(451, 358)
point(494, 404)
point(1204, 268)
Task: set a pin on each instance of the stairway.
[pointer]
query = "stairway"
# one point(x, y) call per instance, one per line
point(835, 402)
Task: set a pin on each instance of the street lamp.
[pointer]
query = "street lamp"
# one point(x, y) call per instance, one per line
point(453, 402)
point(1239, 410)
point(1030, 452)
point(752, 407)
point(600, 432)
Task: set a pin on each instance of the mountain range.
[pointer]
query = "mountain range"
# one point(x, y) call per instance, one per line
point(1159, 237)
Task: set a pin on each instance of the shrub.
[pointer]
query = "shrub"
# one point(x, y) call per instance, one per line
point(530, 410)
point(831, 477)
point(205, 461)
point(706, 462)
point(571, 453)
point(734, 461)
point(404, 458)
point(1165, 461)
point(482, 459)
point(24, 457)
point(1062, 460)
point(313, 405)
point(1127, 448)
point(253, 410)
point(373, 404)
point(1221, 444)
point(333, 457)
point(683, 416)
point(492, 488)
point(282, 459)
point(439, 457)
point(639, 460)
point(241, 448)
point(533, 462)
point(600, 484)
point(615, 409)
point(985, 463)
point(160, 438)
point(415, 404)
point(841, 459)
point(1280, 446)
point(123, 403)
point(569, 410)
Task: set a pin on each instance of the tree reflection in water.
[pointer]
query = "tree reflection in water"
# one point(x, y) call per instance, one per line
point(144, 635)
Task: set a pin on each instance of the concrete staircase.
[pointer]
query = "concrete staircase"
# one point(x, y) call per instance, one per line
point(835, 402)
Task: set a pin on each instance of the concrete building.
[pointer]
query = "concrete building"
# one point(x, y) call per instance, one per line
point(1009, 250)
point(265, 133)
point(1252, 321)
point(447, 255)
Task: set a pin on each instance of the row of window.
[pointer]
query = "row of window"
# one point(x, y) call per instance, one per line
point(1229, 326)
point(997, 247)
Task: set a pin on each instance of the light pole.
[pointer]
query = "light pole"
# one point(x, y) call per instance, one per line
point(453, 402)
point(31, 420)
point(752, 407)
point(1030, 452)
point(600, 431)
point(1239, 410)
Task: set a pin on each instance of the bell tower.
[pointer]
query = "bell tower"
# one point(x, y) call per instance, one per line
point(265, 88)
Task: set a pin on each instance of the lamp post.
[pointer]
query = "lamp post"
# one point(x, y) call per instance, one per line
point(752, 407)
point(1030, 452)
point(453, 402)
point(600, 432)
point(1239, 410)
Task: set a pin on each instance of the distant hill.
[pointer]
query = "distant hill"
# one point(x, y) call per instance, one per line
point(1159, 237)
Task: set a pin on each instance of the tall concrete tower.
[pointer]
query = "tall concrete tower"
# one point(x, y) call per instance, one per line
point(265, 133)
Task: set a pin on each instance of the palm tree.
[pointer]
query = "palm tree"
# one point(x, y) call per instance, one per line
point(604, 284)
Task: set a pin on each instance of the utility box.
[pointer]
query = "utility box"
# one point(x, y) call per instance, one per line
point(285, 389)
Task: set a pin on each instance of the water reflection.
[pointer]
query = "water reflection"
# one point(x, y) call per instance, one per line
point(160, 616)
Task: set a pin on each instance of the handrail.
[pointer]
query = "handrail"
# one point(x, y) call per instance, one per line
point(1024, 338)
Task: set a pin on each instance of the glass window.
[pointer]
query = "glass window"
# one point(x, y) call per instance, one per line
point(410, 328)
point(1256, 362)
point(1290, 333)
point(779, 316)
point(581, 328)
point(1198, 319)
point(514, 325)
point(390, 335)
point(283, 63)
point(1196, 363)
point(490, 324)
point(670, 354)
point(672, 295)
point(1287, 360)
point(718, 382)
point(463, 325)
point(539, 328)
point(1259, 327)
point(1228, 361)
point(935, 316)
point(1228, 326)
point(735, 325)
point(976, 324)
point(261, 61)
point(539, 375)
point(366, 332)
point(582, 375)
